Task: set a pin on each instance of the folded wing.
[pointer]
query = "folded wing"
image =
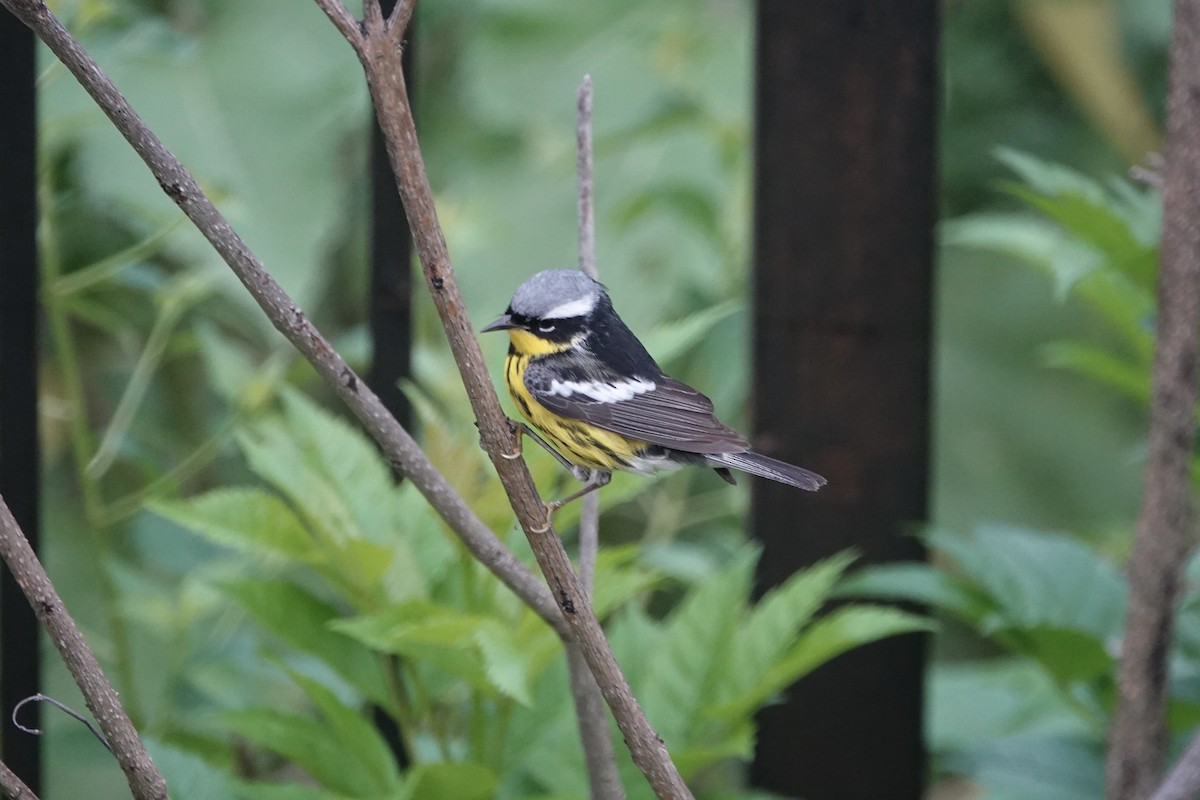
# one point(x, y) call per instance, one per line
point(653, 408)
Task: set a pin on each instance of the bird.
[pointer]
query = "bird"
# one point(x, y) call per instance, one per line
point(599, 402)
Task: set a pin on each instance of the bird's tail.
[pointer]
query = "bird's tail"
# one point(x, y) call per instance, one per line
point(767, 467)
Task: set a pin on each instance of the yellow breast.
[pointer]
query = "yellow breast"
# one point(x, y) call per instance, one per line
point(579, 442)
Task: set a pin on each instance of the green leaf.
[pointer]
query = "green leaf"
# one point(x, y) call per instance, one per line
point(1035, 241)
point(260, 790)
point(764, 634)
point(460, 780)
point(1035, 767)
point(303, 621)
point(693, 650)
point(673, 339)
point(831, 635)
point(917, 583)
point(371, 754)
point(248, 520)
point(1036, 579)
point(506, 663)
point(694, 204)
point(350, 463)
point(189, 776)
point(619, 577)
point(1069, 655)
point(1129, 377)
point(437, 637)
point(306, 742)
point(273, 453)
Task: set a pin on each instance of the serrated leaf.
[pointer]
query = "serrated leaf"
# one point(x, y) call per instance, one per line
point(693, 651)
point(304, 741)
point(303, 621)
point(359, 737)
point(349, 462)
point(830, 636)
point(273, 454)
point(248, 520)
point(506, 664)
point(436, 637)
point(766, 631)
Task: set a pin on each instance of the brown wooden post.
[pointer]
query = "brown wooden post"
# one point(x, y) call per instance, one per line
point(844, 216)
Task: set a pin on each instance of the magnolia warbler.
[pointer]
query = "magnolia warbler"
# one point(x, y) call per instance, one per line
point(587, 385)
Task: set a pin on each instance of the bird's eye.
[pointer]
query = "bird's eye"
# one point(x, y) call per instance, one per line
point(546, 327)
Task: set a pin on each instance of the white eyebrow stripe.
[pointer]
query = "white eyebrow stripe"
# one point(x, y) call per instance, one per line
point(603, 391)
point(572, 308)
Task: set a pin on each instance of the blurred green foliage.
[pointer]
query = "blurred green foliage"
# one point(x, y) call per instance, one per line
point(161, 378)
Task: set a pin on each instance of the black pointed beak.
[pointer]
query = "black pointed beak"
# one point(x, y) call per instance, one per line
point(504, 323)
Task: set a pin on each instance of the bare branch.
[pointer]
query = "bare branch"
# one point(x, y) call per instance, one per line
point(386, 81)
point(1137, 742)
point(13, 787)
point(343, 20)
point(145, 781)
point(289, 319)
point(590, 713)
point(398, 20)
point(583, 165)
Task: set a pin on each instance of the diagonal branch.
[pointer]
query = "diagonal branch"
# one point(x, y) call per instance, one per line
point(1137, 742)
point(13, 787)
point(343, 20)
point(381, 61)
point(145, 781)
point(288, 318)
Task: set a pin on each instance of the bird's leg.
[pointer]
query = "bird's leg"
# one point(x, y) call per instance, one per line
point(524, 430)
point(595, 480)
point(592, 479)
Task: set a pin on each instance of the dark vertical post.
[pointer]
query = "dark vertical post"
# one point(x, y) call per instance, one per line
point(19, 461)
point(391, 277)
point(844, 216)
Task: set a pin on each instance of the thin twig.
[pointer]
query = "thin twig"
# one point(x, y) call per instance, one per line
point(590, 713)
point(288, 318)
point(145, 781)
point(1138, 739)
point(13, 787)
point(381, 61)
point(343, 20)
point(63, 707)
point(583, 165)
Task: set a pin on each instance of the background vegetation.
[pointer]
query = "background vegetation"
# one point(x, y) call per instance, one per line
point(162, 383)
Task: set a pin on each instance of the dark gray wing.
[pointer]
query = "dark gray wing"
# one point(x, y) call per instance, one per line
point(654, 408)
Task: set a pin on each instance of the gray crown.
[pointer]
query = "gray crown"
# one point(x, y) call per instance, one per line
point(547, 294)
